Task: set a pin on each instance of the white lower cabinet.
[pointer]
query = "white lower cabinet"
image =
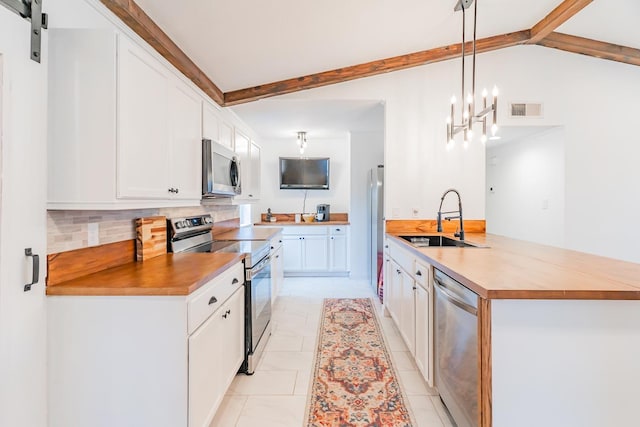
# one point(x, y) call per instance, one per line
point(316, 249)
point(161, 361)
point(216, 340)
point(408, 300)
point(277, 266)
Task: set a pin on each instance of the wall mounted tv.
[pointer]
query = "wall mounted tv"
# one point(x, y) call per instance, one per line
point(310, 173)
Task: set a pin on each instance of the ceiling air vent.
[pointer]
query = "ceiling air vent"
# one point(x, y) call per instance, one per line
point(522, 109)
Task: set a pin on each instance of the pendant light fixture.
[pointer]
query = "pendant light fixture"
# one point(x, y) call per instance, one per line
point(302, 141)
point(468, 110)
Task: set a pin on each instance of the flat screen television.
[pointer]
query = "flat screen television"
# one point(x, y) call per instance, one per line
point(311, 173)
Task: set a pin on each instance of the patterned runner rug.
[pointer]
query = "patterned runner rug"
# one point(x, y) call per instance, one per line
point(354, 383)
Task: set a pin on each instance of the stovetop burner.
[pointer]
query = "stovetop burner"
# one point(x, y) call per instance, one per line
point(193, 234)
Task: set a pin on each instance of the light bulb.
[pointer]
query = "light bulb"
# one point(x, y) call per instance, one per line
point(453, 99)
point(495, 91)
point(494, 129)
point(448, 120)
point(483, 138)
point(469, 135)
point(465, 115)
point(484, 93)
point(469, 98)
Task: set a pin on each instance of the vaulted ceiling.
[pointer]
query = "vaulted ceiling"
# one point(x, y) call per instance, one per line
point(242, 50)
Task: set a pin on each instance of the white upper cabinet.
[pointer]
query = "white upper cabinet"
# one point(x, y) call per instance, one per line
point(210, 122)
point(227, 135)
point(125, 130)
point(186, 146)
point(249, 153)
point(143, 128)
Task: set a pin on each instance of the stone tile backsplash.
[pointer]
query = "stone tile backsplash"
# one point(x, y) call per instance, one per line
point(67, 230)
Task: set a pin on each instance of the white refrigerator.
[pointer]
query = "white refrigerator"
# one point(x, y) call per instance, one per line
point(376, 233)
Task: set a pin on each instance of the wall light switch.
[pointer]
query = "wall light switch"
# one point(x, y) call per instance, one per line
point(93, 234)
point(395, 212)
point(415, 212)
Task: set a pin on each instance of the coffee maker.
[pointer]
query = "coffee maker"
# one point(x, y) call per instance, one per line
point(323, 213)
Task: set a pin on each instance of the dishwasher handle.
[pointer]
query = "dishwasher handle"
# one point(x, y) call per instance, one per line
point(454, 300)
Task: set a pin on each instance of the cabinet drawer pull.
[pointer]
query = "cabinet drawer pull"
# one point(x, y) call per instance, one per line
point(418, 273)
point(277, 256)
point(398, 271)
point(337, 229)
point(213, 300)
point(226, 314)
point(234, 281)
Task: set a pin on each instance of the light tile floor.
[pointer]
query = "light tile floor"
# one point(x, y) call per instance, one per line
point(276, 394)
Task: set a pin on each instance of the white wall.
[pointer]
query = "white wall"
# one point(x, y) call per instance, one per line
point(291, 201)
point(595, 100)
point(367, 152)
point(525, 188)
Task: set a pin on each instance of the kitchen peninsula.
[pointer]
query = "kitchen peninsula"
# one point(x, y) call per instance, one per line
point(559, 330)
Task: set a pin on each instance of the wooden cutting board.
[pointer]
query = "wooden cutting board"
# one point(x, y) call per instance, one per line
point(151, 237)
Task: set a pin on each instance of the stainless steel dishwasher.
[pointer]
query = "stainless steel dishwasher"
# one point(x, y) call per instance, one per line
point(456, 349)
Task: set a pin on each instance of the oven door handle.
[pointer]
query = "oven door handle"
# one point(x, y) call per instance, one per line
point(258, 268)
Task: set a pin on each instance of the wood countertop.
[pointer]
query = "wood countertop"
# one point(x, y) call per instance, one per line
point(170, 274)
point(249, 233)
point(287, 223)
point(515, 269)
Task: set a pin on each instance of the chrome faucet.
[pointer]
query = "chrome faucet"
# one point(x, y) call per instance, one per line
point(459, 233)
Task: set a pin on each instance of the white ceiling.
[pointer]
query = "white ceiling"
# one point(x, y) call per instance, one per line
point(245, 43)
point(276, 119)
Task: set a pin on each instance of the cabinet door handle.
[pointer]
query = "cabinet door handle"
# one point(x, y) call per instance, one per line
point(234, 281)
point(398, 271)
point(177, 190)
point(35, 269)
point(414, 288)
point(418, 273)
point(227, 313)
point(277, 256)
point(213, 300)
point(337, 229)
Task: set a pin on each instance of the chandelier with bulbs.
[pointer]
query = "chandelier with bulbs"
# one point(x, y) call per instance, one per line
point(302, 141)
point(468, 111)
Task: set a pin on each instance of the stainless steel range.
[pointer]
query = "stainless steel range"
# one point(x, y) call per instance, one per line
point(193, 234)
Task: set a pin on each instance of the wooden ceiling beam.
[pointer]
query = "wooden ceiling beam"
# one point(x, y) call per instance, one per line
point(557, 17)
point(145, 27)
point(372, 68)
point(589, 47)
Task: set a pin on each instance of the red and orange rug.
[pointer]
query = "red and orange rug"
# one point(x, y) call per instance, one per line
point(354, 383)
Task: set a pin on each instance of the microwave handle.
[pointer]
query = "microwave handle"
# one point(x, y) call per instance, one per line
point(234, 173)
point(207, 166)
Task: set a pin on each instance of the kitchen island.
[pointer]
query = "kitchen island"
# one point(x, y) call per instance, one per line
point(558, 331)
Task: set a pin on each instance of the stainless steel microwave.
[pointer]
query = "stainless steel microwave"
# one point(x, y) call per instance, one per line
point(220, 171)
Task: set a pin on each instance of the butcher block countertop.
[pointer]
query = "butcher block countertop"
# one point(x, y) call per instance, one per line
point(287, 223)
point(249, 233)
point(514, 269)
point(170, 274)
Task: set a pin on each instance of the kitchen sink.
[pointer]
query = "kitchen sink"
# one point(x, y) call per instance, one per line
point(426, 241)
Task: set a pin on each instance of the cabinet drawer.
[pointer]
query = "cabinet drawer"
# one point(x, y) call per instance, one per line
point(212, 295)
point(421, 274)
point(401, 256)
point(338, 231)
point(276, 242)
point(304, 230)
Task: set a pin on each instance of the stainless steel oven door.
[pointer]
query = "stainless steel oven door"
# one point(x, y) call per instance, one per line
point(259, 283)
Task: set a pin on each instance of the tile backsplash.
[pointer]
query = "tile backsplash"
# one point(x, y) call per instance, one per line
point(67, 230)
